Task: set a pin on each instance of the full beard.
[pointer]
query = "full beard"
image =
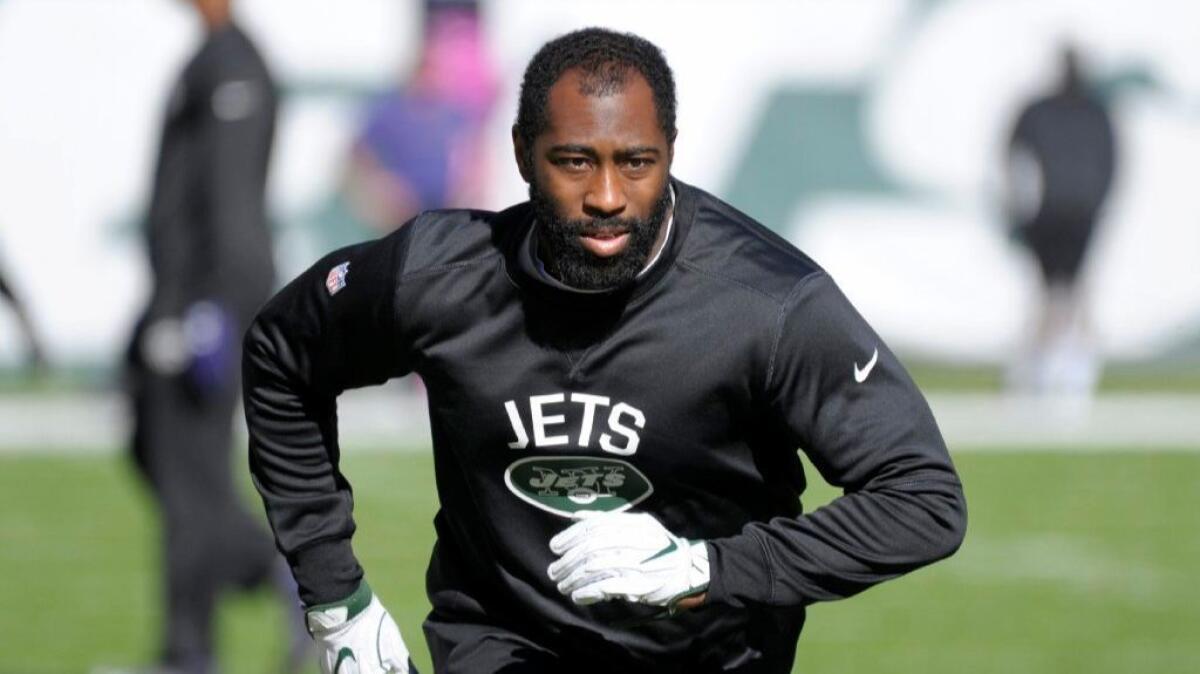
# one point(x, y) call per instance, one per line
point(565, 257)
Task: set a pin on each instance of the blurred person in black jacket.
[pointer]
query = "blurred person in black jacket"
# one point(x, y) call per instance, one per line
point(211, 261)
point(1061, 161)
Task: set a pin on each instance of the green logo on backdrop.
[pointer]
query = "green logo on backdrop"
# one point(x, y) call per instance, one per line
point(564, 485)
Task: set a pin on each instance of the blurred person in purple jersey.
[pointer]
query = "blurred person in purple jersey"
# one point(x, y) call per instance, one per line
point(1061, 160)
point(210, 255)
point(421, 145)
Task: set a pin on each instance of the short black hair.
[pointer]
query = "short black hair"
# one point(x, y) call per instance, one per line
point(606, 58)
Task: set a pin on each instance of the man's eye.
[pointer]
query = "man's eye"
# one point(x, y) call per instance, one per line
point(573, 162)
point(638, 163)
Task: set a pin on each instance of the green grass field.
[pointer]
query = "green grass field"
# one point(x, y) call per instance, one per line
point(1073, 563)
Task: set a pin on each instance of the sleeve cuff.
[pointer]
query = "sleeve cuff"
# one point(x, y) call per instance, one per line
point(739, 571)
point(326, 572)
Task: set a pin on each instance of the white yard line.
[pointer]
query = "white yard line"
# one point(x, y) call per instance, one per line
point(1114, 422)
point(395, 417)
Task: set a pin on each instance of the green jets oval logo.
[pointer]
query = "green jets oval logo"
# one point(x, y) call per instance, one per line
point(564, 485)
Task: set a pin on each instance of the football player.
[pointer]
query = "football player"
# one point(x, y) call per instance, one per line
point(620, 373)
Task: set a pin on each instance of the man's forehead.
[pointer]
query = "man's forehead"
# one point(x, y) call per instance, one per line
point(579, 111)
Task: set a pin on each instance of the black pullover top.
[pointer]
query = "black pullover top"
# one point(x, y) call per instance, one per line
point(684, 395)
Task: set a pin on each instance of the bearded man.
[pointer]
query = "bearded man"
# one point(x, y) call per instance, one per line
point(620, 373)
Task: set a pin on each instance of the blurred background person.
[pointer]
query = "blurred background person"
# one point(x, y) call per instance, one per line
point(35, 358)
point(421, 146)
point(1061, 161)
point(210, 258)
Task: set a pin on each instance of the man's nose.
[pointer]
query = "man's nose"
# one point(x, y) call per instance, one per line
point(605, 196)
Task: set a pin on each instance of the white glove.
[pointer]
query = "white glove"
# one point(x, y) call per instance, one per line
point(358, 636)
point(627, 556)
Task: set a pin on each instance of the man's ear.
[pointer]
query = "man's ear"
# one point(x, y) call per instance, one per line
point(521, 154)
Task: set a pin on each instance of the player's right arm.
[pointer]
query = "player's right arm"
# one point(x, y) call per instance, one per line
point(322, 334)
point(331, 329)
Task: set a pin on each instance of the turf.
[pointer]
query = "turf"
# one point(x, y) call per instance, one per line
point(1073, 563)
point(1168, 376)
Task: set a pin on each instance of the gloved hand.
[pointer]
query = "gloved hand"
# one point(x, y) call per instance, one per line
point(629, 556)
point(201, 345)
point(212, 344)
point(358, 636)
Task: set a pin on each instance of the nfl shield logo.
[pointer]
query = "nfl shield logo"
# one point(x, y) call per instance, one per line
point(336, 280)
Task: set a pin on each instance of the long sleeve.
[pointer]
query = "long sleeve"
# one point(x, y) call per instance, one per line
point(235, 133)
point(837, 392)
point(170, 235)
point(207, 230)
point(333, 328)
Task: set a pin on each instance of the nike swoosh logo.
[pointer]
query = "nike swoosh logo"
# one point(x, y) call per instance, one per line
point(346, 656)
point(665, 551)
point(861, 375)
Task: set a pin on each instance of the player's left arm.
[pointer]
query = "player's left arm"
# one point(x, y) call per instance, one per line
point(835, 390)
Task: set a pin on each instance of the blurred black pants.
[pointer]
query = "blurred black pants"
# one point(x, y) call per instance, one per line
point(182, 446)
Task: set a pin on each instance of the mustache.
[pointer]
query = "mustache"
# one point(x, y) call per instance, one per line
point(609, 225)
point(567, 259)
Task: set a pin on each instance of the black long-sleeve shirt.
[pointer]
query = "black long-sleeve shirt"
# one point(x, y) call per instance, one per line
point(1070, 137)
point(685, 395)
point(207, 227)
